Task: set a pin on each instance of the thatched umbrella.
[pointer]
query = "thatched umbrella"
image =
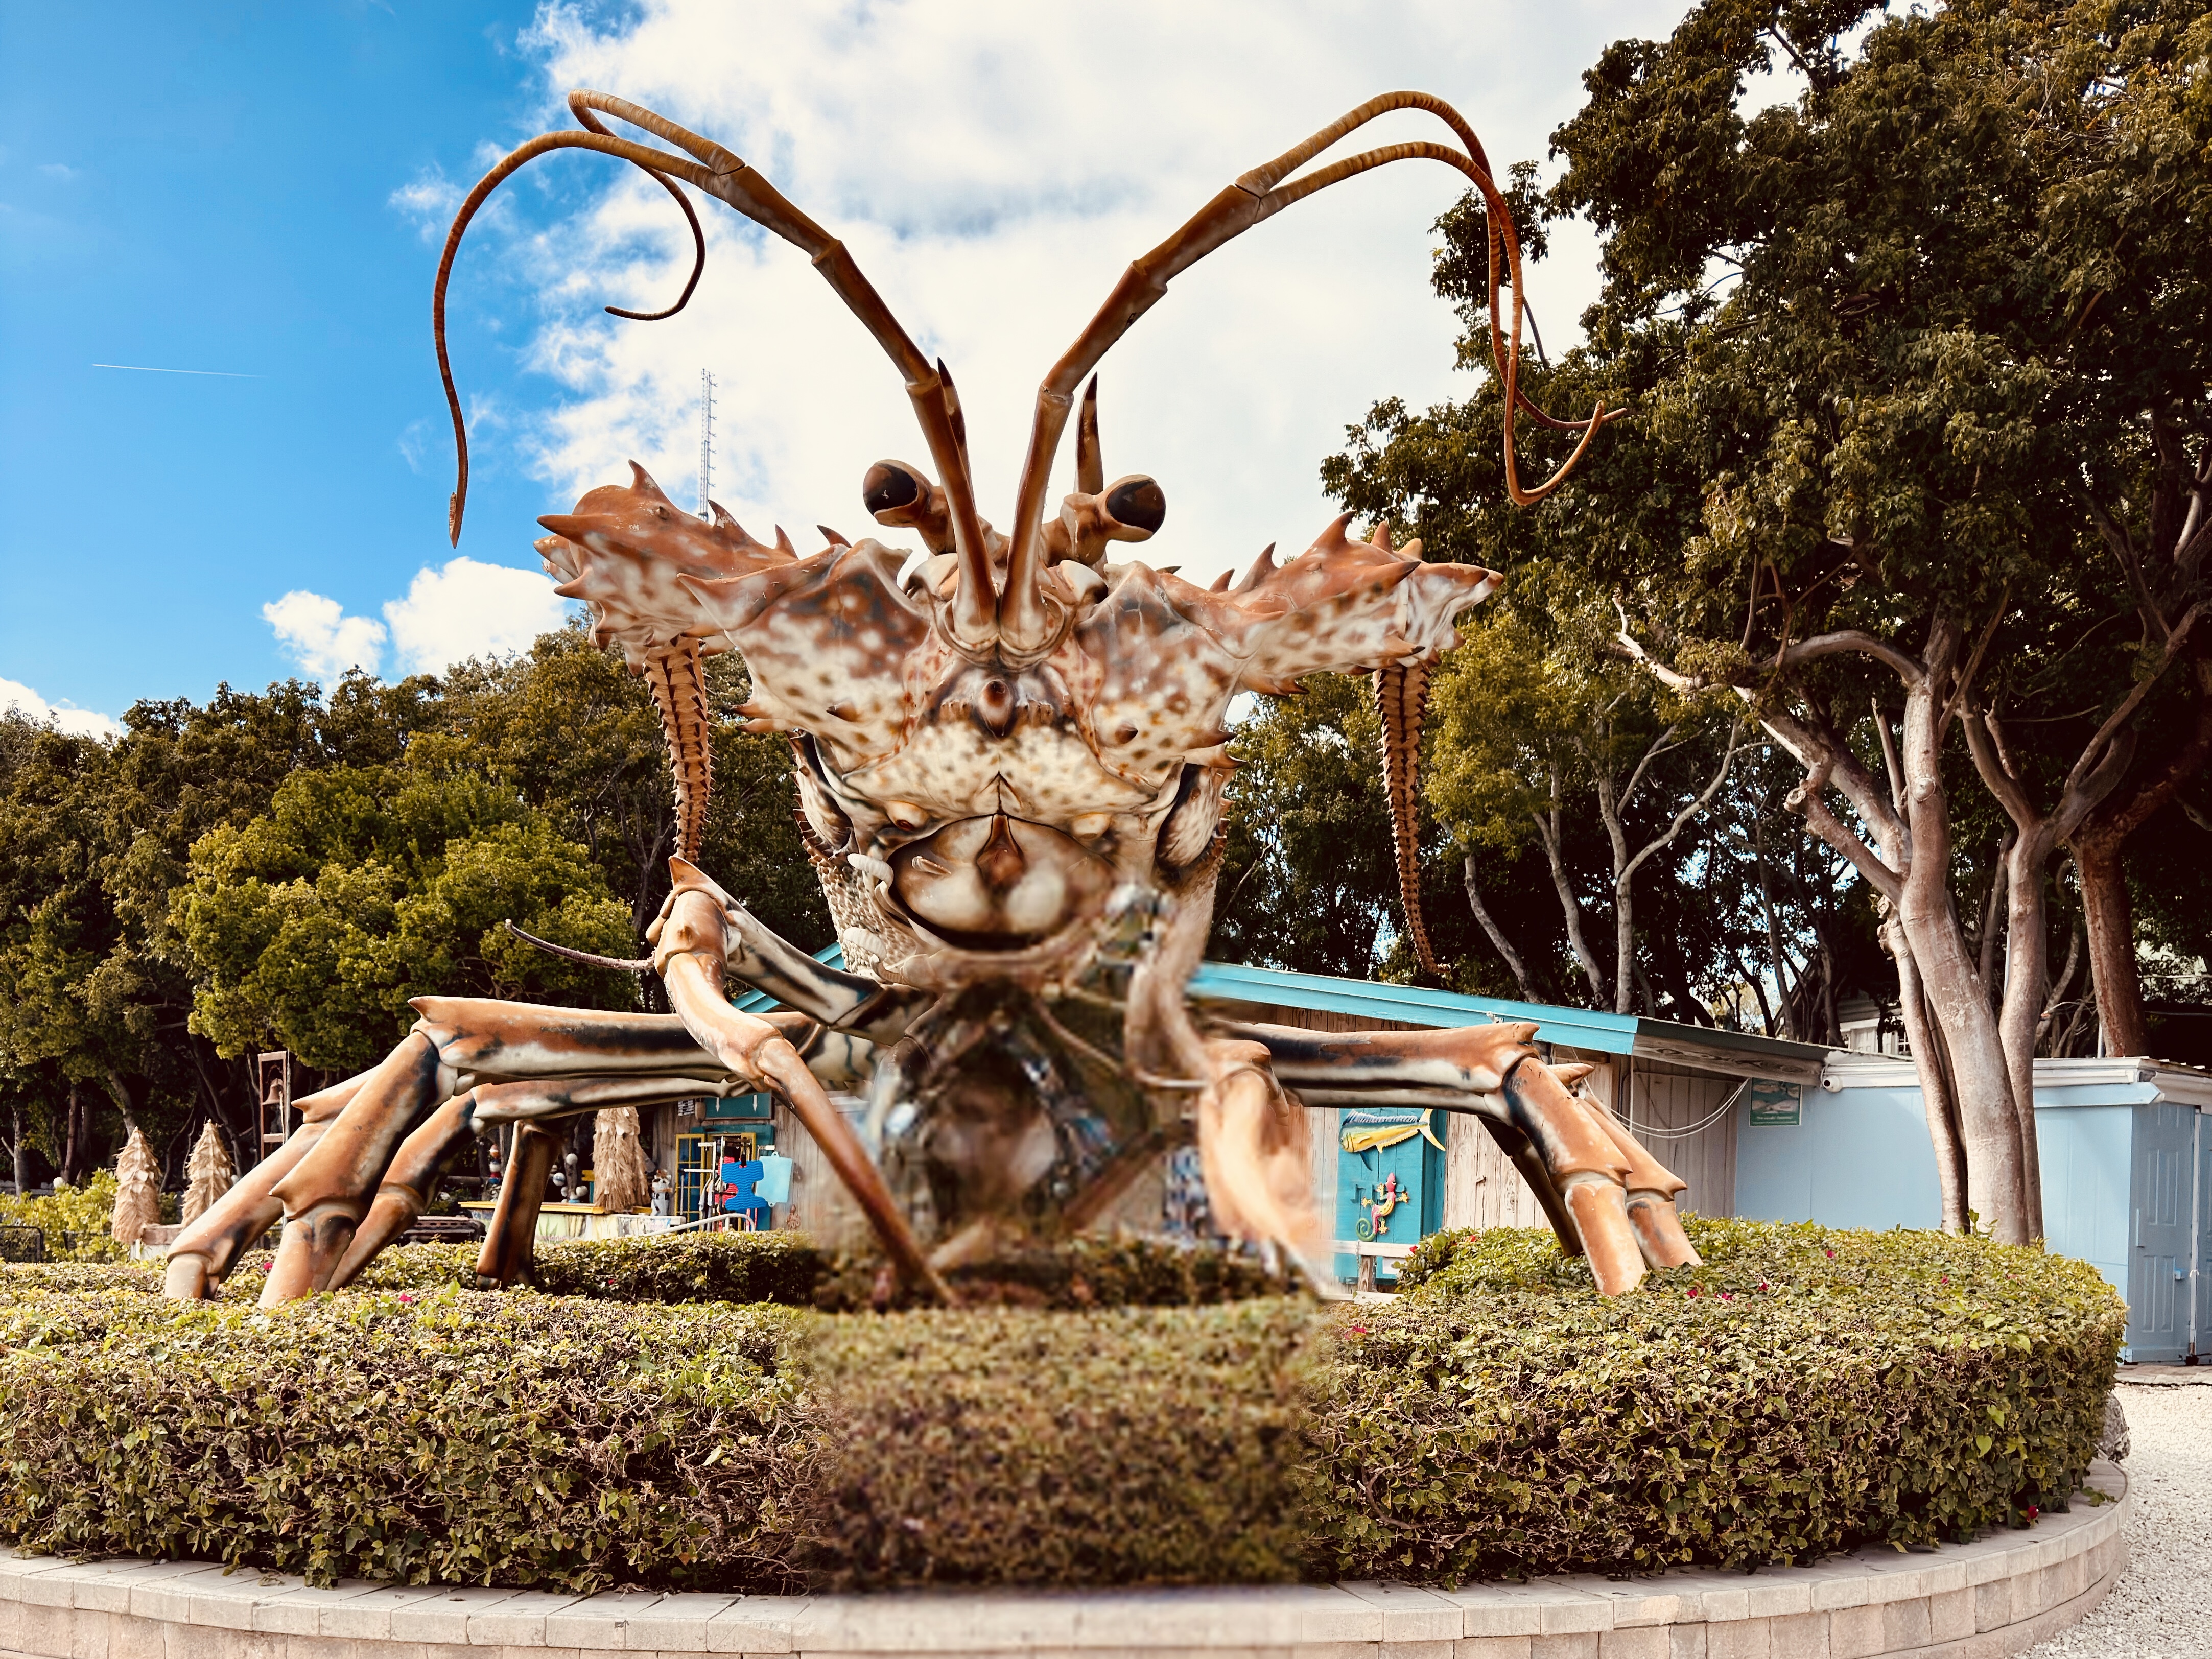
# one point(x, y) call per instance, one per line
point(618, 1172)
point(137, 1191)
point(209, 1171)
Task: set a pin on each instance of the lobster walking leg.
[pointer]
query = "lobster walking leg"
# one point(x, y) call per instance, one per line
point(326, 1194)
point(1605, 1195)
point(514, 1230)
point(207, 1249)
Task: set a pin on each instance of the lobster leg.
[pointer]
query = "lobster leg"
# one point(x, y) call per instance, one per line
point(206, 1251)
point(1605, 1195)
point(513, 1235)
point(691, 940)
point(324, 1194)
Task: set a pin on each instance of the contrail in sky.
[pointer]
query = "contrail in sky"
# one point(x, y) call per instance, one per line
point(219, 374)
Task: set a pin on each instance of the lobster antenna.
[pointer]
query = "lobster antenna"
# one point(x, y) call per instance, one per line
point(707, 166)
point(1260, 194)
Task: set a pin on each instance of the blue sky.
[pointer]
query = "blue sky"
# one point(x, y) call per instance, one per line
point(259, 191)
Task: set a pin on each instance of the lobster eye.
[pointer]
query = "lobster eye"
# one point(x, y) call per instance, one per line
point(1138, 502)
point(889, 486)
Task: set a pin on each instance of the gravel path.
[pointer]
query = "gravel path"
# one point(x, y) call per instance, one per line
point(2162, 1609)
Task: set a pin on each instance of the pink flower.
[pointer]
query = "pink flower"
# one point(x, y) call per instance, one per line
point(1357, 1330)
point(403, 1296)
point(1693, 1289)
point(1762, 1284)
point(1728, 1296)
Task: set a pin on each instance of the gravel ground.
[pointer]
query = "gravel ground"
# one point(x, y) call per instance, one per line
point(2162, 1609)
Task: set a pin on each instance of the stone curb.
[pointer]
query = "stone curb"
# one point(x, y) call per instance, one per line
point(1997, 1595)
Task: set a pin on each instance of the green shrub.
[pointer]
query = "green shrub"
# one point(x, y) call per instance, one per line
point(1131, 1445)
point(74, 1219)
point(1806, 1391)
point(698, 1266)
point(455, 1435)
point(19, 1279)
point(781, 1266)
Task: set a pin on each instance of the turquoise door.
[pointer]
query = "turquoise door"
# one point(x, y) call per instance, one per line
point(1389, 1181)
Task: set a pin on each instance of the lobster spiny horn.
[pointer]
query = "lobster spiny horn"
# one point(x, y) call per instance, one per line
point(1258, 195)
point(707, 166)
point(1090, 459)
point(1262, 567)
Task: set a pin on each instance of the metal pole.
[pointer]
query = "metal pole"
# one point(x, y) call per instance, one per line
point(706, 440)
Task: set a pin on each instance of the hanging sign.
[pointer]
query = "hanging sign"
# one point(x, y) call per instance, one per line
point(1774, 1105)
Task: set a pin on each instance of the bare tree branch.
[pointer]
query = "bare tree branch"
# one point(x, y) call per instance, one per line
point(1502, 946)
point(1806, 799)
point(1853, 641)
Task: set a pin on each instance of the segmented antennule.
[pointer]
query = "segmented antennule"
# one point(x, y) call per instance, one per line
point(679, 691)
point(1402, 697)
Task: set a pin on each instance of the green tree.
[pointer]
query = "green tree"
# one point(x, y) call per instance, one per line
point(1308, 879)
point(576, 735)
point(1919, 368)
point(311, 927)
point(1528, 731)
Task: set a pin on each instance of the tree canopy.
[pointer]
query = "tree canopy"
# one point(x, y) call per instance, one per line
point(286, 868)
point(1915, 464)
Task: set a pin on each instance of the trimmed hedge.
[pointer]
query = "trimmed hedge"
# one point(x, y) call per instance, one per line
point(698, 1266)
point(783, 1268)
point(1805, 1392)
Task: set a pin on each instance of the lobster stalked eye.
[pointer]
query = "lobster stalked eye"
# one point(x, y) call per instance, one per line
point(889, 486)
point(1138, 502)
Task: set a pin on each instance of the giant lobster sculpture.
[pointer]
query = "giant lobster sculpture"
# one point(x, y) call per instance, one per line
point(1010, 755)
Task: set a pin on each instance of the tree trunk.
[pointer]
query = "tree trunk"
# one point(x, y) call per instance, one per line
point(1960, 1002)
point(2107, 910)
point(2027, 988)
point(120, 1092)
point(1496, 935)
point(16, 1147)
point(1624, 898)
point(1548, 831)
point(74, 1150)
point(1935, 1098)
point(2108, 914)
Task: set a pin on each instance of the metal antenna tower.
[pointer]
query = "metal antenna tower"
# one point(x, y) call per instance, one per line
point(706, 440)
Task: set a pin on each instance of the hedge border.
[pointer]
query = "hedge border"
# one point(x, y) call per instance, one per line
point(1801, 1394)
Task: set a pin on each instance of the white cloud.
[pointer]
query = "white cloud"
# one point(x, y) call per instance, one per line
point(81, 722)
point(470, 609)
point(429, 201)
point(993, 166)
point(465, 608)
point(321, 638)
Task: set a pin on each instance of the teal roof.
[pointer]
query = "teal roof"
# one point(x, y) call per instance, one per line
point(1738, 1053)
